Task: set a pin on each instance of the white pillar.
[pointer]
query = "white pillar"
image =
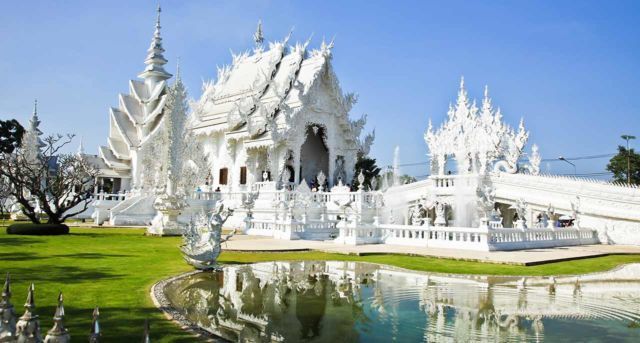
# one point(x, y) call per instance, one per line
point(296, 165)
point(332, 165)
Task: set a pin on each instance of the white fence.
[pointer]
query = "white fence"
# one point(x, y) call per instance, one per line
point(481, 239)
point(293, 229)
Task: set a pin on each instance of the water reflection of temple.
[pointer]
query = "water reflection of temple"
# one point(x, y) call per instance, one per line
point(347, 301)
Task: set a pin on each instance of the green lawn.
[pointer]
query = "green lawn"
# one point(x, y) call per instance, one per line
point(115, 268)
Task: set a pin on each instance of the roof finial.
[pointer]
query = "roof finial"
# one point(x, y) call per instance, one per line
point(486, 91)
point(178, 67)
point(34, 122)
point(258, 36)
point(81, 147)
point(461, 82)
point(155, 59)
point(159, 10)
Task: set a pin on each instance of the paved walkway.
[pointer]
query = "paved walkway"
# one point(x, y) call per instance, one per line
point(521, 257)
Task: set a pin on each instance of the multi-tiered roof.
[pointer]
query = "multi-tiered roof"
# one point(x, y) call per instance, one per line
point(139, 114)
point(257, 96)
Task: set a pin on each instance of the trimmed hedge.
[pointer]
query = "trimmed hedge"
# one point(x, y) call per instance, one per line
point(37, 229)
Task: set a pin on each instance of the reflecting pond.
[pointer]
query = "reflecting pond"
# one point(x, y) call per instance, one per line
point(361, 302)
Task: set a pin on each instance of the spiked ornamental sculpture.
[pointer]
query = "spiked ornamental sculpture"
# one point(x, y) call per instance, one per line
point(94, 336)
point(28, 326)
point(139, 114)
point(7, 314)
point(171, 202)
point(202, 246)
point(478, 139)
point(182, 165)
point(147, 331)
point(58, 334)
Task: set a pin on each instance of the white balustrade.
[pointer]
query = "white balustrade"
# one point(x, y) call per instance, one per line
point(484, 239)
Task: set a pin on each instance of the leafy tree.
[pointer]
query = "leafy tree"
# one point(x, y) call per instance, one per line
point(56, 183)
point(402, 179)
point(368, 167)
point(406, 178)
point(618, 165)
point(10, 135)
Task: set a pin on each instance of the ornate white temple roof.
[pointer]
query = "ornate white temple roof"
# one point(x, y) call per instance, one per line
point(249, 97)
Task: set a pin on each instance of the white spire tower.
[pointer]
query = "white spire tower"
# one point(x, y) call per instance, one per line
point(139, 115)
point(81, 147)
point(155, 60)
point(258, 36)
point(31, 141)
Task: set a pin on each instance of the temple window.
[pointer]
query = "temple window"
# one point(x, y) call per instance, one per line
point(223, 176)
point(243, 175)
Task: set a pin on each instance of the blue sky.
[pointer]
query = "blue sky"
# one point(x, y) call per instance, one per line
point(570, 68)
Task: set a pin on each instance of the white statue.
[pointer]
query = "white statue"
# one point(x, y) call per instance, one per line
point(202, 248)
point(418, 215)
point(521, 209)
point(321, 179)
point(575, 210)
point(441, 219)
point(550, 215)
point(339, 174)
point(486, 201)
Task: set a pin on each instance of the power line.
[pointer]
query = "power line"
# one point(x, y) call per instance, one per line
point(591, 157)
point(588, 157)
point(424, 176)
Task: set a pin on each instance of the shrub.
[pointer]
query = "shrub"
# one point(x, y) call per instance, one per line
point(37, 229)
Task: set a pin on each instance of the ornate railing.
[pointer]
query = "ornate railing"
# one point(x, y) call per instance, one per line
point(110, 196)
point(290, 228)
point(482, 239)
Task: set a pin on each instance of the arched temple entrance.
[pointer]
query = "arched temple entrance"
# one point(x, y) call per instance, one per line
point(314, 154)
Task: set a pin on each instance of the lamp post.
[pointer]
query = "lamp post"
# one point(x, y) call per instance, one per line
point(628, 138)
point(571, 163)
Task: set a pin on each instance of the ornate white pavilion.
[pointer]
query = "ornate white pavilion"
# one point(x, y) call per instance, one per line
point(278, 114)
point(275, 122)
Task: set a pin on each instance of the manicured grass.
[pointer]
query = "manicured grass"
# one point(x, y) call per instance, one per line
point(115, 268)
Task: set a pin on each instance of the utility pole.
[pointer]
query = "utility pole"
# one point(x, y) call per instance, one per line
point(628, 138)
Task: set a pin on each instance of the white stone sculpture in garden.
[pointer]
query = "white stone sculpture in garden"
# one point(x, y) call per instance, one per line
point(521, 209)
point(202, 246)
point(178, 158)
point(477, 138)
point(7, 314)
point(485, 202)
point(441, 219)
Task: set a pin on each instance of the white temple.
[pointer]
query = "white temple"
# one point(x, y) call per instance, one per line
point(278, 114)
point(272, 138)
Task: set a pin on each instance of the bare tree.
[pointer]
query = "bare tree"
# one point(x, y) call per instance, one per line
point(5, 197)
point(57, 184)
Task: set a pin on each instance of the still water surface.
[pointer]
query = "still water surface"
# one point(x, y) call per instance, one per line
point(360, 302)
